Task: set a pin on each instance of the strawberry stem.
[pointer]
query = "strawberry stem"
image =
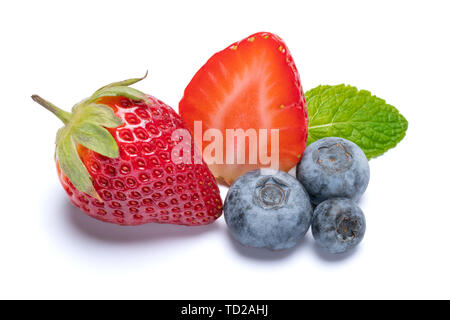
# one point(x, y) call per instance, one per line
point(64, 116)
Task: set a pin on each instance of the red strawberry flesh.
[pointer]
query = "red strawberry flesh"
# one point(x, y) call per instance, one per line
point(252, 84)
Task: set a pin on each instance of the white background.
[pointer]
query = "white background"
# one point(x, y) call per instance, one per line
point(400, 50)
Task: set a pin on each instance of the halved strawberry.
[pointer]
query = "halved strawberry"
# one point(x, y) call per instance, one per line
point(252, 84)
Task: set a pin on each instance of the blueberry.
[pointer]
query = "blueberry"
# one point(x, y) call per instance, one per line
point(338, 225)
point(267, 209)
point(332, 168)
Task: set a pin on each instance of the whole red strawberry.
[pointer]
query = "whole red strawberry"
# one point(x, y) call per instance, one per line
point(115, 160)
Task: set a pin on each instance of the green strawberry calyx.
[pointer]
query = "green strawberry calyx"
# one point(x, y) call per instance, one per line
point(87, 125)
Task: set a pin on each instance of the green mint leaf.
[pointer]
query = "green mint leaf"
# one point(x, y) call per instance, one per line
point(346, 112)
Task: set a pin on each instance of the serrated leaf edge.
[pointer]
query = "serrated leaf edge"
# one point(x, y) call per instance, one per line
point(322, 92)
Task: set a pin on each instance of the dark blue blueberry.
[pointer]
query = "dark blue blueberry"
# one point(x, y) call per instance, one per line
point(267, 209)
point(338, 225)
point(333, 167)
